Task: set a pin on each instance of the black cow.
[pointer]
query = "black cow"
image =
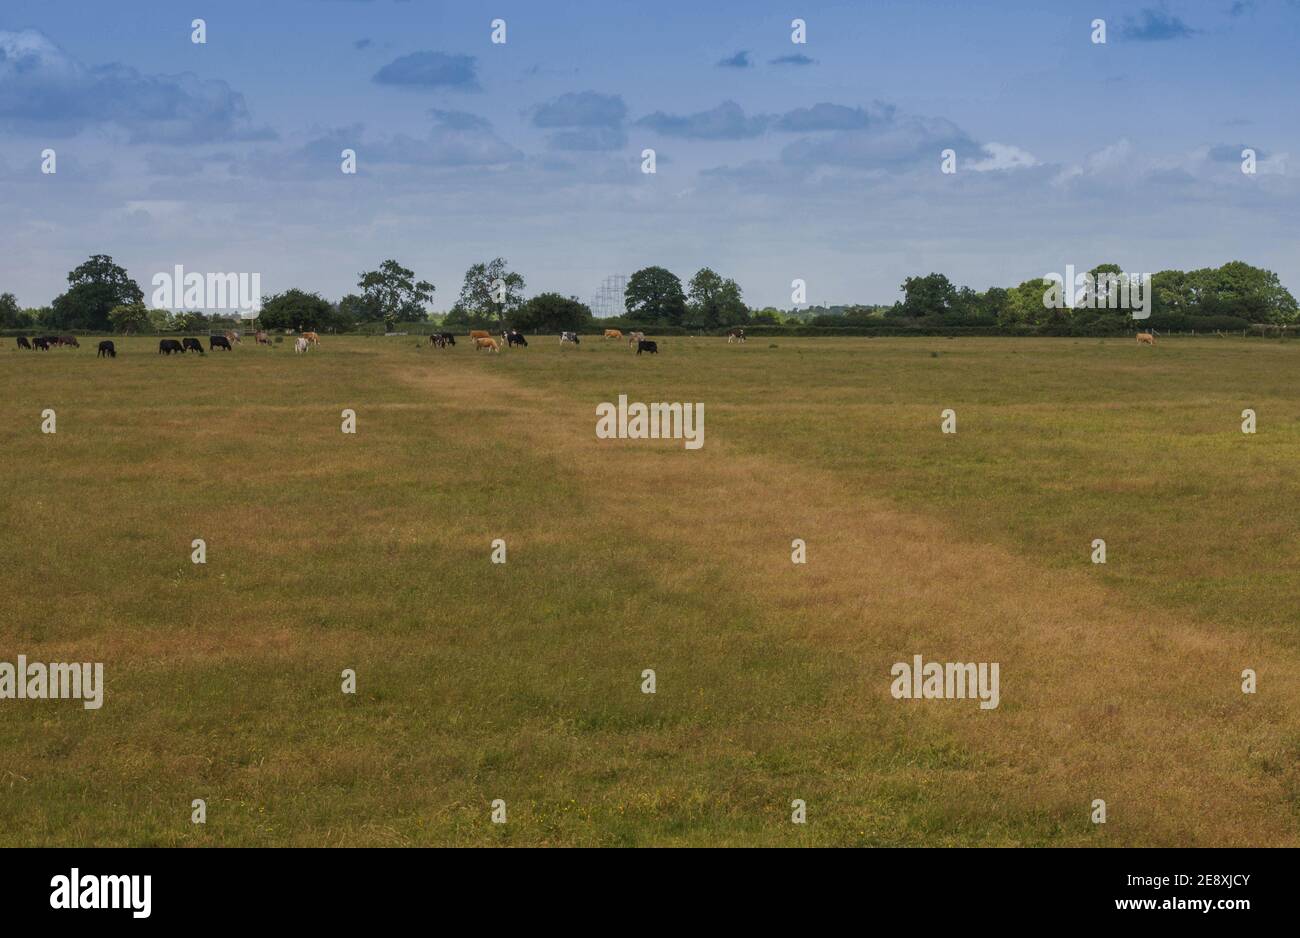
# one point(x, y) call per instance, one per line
point(191, 344)
point(645, 345)
point(106, 350)
point(42, 343)
point(167, 346)
point(69, 340)
point(23, 343)
point(448, 338)
point(515, 338)
point(216, 342)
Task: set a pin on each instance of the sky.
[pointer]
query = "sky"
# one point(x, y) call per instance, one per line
point(774, 160)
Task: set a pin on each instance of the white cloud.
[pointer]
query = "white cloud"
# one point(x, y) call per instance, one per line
point(1112, 160)
point(1003, 156)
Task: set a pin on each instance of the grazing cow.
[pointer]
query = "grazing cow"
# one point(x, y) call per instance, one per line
point(23, 343)
point(569, 337)
point(1146, 338)
point(106, 350)
point(613, 334)
point(42, 343)
point(736, 335)
point(301, 345)
point(634, 337)
point(233, 336)
point(167, 346)
point(647, 346)
point(447, 338)
point(218, 341)
point(262, 338)
point(311, 337)
point(514, 337)
point(486, 342)
point(477, 334)
point(191, 344)
point(69, 340)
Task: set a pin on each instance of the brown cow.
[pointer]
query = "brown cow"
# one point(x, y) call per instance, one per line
point(479, 334)
point(262, 338)
point(487, 342)
point(613, 333)
point(1146, 338)
point(311, 337)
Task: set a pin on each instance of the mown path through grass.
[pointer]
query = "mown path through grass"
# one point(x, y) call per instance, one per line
point(1101, 699)
point(522, 681)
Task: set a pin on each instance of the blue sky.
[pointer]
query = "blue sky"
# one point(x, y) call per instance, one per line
point(776, 160)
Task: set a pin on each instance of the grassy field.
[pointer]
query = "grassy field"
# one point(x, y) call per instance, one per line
point(522, 681)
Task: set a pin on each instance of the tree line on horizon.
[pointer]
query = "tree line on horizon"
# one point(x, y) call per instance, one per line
point(101, 296)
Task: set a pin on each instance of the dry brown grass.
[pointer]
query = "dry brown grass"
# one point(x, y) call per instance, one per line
point(521, 681)
point(1101, 699)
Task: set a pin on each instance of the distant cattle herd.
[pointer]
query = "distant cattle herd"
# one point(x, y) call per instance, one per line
point(47, 342)
point(165, 346)
point(480, 339)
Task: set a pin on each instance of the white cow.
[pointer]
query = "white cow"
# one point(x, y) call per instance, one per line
point(301, 345)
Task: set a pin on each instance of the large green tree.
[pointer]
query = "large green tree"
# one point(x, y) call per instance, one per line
point(94, 289)
point(189, 320)
point(296, 309)
point(654, 297)
point(393, 294)
point(995, 303)
point(1238, 289)
point(931, 295)
point(129, 317)
point(551, 312)
point(715, 302)
point(10, 315)
point(967, 306)
point(491, 293)
point(1171, 295)
point(1024, 304)
point(355, 308)
point(1102, 285)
